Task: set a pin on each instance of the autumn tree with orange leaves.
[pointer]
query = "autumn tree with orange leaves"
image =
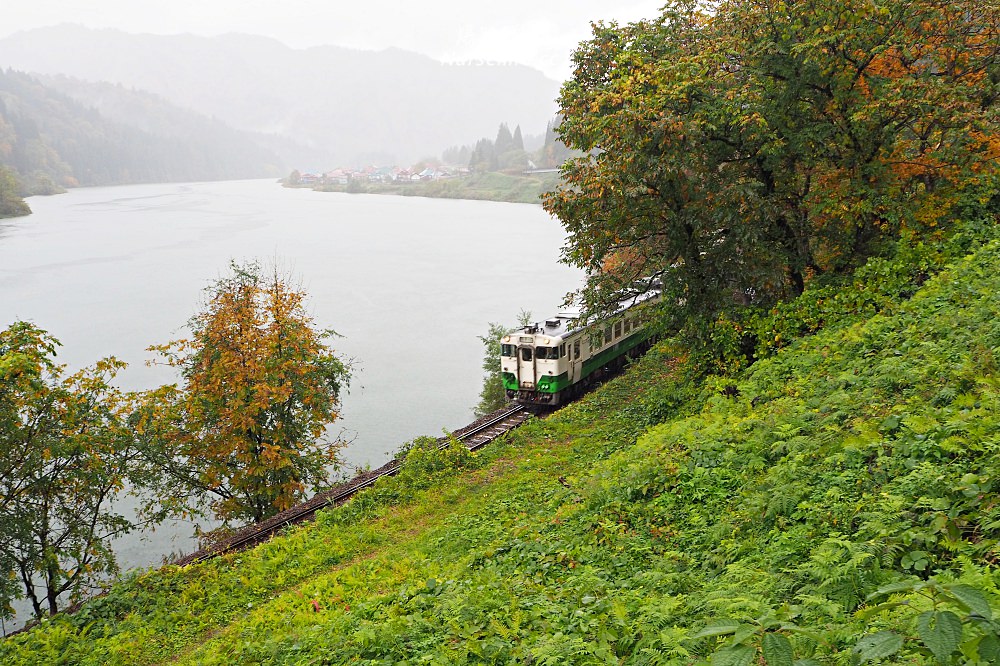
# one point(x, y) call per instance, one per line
point(736, 150)
point(245, 432)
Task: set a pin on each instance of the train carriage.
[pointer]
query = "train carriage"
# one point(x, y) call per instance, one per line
point(548, 363)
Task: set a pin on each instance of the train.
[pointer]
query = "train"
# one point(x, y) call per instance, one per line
point(549, 363)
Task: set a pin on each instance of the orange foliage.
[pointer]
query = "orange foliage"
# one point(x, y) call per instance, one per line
point(261, 387)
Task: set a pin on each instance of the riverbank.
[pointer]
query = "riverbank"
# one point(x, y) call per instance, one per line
point(112, 270)
point(491, 186)
point(12, 204)
point(649, 518)
point(9, 210)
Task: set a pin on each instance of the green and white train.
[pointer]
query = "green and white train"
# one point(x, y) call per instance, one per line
point(547, 364)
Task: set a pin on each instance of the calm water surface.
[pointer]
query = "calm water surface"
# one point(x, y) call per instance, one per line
point(408, 282)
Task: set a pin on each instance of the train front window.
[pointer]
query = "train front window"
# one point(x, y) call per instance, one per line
point(507, 350)
point(526, 354)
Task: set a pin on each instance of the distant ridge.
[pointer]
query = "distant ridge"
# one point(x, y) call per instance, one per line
point(350, 106)
point(53, 141)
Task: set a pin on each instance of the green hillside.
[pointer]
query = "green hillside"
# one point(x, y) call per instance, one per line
point(53, 141)
point(658, 520)
point(801, 472)
point(482, 186)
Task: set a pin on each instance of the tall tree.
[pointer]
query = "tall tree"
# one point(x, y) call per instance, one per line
point(734, 149)
point(504, 141)
point(246, 431)
point(493, 395)
point(484, 156)
point(457, 155)
point(65, 456)
point(554, 152)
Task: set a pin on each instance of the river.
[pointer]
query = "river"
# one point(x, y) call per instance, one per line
point(409, 283)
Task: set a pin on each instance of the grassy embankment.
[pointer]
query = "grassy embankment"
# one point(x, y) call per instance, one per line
point(11, 202)
point(482, 186)
point(14, 208)
point(766, 507)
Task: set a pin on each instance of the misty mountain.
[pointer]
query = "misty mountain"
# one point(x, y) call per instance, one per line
point(153, 114)
point(53, 141)
point(352, 106)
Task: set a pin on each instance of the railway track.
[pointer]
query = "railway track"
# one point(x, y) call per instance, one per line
point(474, 436)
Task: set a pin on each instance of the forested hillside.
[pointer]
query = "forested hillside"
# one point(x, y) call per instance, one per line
point(353, 107)
point(53, 142)
point(836, 502)
point(158, 116)
point(803, 471)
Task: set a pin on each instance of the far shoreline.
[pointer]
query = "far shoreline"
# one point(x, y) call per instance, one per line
point(491, 186)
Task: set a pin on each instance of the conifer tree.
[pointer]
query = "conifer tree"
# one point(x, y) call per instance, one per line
point(504, 141)
point(484, 156)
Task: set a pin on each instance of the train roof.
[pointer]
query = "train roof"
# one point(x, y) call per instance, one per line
point(559, 325)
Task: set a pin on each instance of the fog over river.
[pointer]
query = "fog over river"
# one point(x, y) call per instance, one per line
point(408, 282)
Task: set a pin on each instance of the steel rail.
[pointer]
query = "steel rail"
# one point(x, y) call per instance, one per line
point(475, 436)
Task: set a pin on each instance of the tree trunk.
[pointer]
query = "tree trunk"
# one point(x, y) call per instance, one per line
point(51, 593)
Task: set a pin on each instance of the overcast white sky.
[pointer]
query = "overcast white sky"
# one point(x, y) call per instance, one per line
point(539, 33)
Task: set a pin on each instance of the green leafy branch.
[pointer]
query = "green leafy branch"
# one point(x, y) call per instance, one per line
point(958, 625)
point(766, 637)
